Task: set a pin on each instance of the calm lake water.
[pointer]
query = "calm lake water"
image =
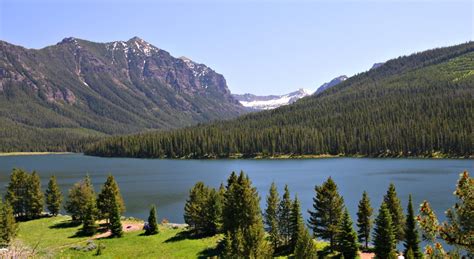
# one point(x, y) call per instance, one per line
point(166, 182)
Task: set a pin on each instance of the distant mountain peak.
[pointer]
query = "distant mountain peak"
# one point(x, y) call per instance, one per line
point(270, 101)
point(331, 83)
point(376, 65)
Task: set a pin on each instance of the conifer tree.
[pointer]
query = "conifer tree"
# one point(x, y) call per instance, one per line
point(114, 217)
point(412, 241)
point(79, 198)
point(384, 238)
point(284, 217)
point(364, 220)
point(296, 224)
point(347, 237)
point(152, 228)
point(243, 219)
point(195, 208)
point(89, 226)
point(110, 191)
point(305, 247)
point(396, 211)
point(325, 218)
point(213, 212)
point(271, 216)
point(53, 196)
point(8, 226)
point(17, 192)
point(35, 198)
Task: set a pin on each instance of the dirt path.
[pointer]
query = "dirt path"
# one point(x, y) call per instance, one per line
point(367, 255)
point(127, 226)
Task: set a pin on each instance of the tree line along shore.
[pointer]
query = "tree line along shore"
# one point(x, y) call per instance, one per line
point(233, 212)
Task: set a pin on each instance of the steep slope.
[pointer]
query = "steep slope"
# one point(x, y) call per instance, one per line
point(417, 105)
point(331, 83)
point(269, 102)
point(79, 88)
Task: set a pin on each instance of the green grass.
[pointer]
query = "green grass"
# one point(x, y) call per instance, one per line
point(52, 237)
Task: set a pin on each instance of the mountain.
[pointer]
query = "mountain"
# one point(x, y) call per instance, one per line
point(331, 83)
point(416, 105)
point(270, 101)
point(59, 94)
point(376, 65)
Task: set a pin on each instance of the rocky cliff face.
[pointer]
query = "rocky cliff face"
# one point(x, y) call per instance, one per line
point(115, 87)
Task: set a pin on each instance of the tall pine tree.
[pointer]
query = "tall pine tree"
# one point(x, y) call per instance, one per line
point(284, 217)
point(110, 191)
point(364, 219)
point(17, 192)
point(296, 224)
point(80, 197)
point(347, 238)
point(412, 241)
point(384, 238)
point(305, 247)
point(114, 218)
point(328, 206)
point(271, 216)
point(53, 196)
point(35, 196)
point(195, 209)
point(8, 226)
point(396, 211)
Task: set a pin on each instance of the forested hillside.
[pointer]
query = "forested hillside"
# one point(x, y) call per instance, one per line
point(60, 96)
point(415, 105)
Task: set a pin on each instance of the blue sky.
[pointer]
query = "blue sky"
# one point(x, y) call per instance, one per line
point(261, 47)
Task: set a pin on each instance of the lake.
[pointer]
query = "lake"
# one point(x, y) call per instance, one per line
point(166, 182)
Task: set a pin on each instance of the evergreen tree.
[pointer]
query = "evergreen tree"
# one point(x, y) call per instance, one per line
point(110, 191)
point(325, 218)
point(271, 216)
point(152, 228)
point(195, 208)
point(296, 224)
point(396, 211)
point(53, 196)
point(412, 241)
point(114, 217)
point(35, 196)
point(347, 237)
point(305, 247)
point(17, 192)
point(243, 219)
point(284, 217)
point(364, 220)
point(89, 226)
point(8, 226)
point(384, 238)
point(79, 198)
point(410, 255)
point(213, 212)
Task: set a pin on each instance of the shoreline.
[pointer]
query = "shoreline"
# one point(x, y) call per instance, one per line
point(33, 153)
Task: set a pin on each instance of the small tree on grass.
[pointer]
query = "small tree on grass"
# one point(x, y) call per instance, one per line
point(8, 226)
point(412, 241)
point(80, 199)
point(53, 196)
point(110, 190)
point(89, 226)
point(384, 238)
point(364, 219)
point(114, 216)
point(152, 227)
point(347, 237)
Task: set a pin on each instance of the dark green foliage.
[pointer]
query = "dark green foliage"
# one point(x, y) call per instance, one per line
point(109, 194)
point(305, 247)
point(114, 218)
point(410, 255)
point(80, 196)
point(25, 195)
point(284, 217)
point(296, 224)
point(89, 226)
point(394, 205)
point(213, 212)
point(347, 243)
point(243, 219)
point(203, 209)
point(416, 105)
point(364, 219)
point(384, 238)
point(271, 216)
point(53, 196)
point(8, 226)
point(152, 227)
point(412, 240)
point(328, 208)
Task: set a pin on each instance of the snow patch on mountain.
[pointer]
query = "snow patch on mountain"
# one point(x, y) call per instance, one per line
point(271, 101)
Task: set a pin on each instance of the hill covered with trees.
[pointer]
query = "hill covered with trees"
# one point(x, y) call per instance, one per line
point(416, 105)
